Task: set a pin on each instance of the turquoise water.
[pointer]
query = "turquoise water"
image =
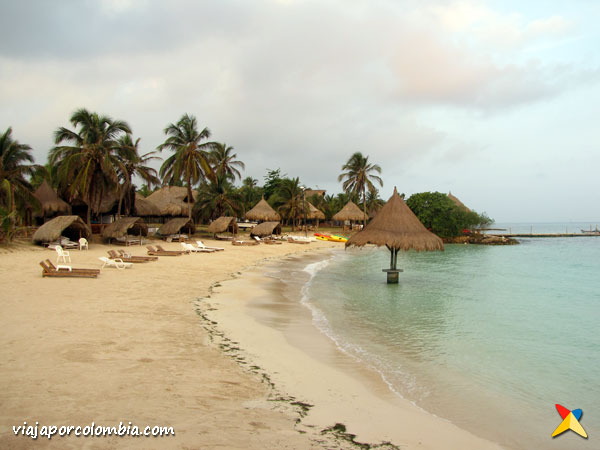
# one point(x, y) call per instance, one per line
point(488, 337)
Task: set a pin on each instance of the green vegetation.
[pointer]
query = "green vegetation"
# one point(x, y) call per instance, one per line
point(100, 158)
point(359, 176)
point(442, 216)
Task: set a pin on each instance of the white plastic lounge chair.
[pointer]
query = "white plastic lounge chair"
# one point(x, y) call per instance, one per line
point(62, 254)
point(201, 245)
point(191, 248)
point(83, 243)
point(116, 263)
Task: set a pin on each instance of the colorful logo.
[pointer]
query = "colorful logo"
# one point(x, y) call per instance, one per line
point(570, 421)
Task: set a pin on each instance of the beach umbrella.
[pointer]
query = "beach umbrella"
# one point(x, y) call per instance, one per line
point(223, 224)
point(266, 229)
point(262, 211)
point(71, 226)
point(177, 225)
point(124, 227)
point(350, 212)
point(396, 227)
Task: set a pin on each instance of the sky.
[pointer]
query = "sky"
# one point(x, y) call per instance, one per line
point(495, 101)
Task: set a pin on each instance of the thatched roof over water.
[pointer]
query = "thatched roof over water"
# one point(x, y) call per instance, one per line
point(266, 229)
point(71, 226)
point(350, 212)
point(177, 225)
point(172, 200)
point(124, 226)
point(396, 226)
point(49, 200)
point(262, 211)
point(457, 202)
point(223, 224)
point(144, 207)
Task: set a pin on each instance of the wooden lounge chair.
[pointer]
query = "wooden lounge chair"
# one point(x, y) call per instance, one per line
point(61, 267)
point(126, 256)
point(114, 255)
point(47, 271)
point(181, 252)
point(154, 252)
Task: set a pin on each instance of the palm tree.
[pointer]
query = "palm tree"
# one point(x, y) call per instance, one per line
point(13, 172)
point(223, 161)
point(288, 199)
point(89, 165)
point(250, 193)
point(190, 160)
point(358, 177)
point(134, 164)
point(217, 197)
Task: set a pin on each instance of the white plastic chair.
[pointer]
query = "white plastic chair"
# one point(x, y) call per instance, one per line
point(83, 243)
point(116, 263)
point(62, 254)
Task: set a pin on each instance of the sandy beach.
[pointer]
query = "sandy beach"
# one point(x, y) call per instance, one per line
point(131, 346)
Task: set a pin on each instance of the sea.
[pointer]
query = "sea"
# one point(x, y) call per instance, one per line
point(490, 338)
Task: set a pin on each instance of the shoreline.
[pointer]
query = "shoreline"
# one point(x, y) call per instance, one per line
point(279, 337)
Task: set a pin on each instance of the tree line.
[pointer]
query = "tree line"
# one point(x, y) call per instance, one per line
point(99, 156)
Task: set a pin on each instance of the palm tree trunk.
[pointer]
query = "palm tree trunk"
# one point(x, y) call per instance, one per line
point(364, 207)
point(189, 198)
point(120, 201)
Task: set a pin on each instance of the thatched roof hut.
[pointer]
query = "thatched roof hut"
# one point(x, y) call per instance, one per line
point(396, 227)
point(350, 212)
point(457, 202)
point(50, 202)
point(266, 229)
point(314, 212)
point(125, 226)
point(262, 211)
point(172, 200)
point(223, 224)
point(144, 207)
point(69, 226)
point(178, 225)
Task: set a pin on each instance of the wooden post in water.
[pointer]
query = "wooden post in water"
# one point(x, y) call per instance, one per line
point(392, 272)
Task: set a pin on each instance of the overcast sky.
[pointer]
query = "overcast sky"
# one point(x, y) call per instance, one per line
point(496, 101)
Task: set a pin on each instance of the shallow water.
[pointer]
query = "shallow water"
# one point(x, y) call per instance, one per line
point(487, 337)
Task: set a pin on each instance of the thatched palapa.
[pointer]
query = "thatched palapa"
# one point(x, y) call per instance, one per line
point(172, 200)
point(223, 224)
point(263, 212)
point(50, 202)
point(266, 229)
point(350, 212)
point(69, 226)
point(457, 202)
point(314, 212)
point(125, 226)
point(396, 227)
point(144, 207)
point(176, 226)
